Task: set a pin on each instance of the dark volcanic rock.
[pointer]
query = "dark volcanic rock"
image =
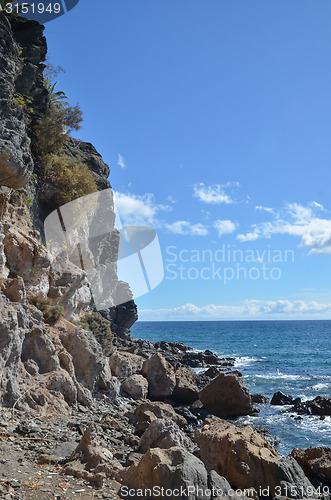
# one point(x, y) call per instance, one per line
point(281, 399)
point(318, 406)
point(260, 399)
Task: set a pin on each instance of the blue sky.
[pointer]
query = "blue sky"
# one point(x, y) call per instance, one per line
point(214, 118)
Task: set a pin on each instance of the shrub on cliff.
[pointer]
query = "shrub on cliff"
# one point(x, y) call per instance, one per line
point(98, 325)
point(70, 178)
point(52, 130)
point(51, 312)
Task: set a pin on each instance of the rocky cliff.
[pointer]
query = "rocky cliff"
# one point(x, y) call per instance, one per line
point(42, 367)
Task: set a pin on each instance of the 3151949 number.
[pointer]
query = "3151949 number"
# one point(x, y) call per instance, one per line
point(32, 8)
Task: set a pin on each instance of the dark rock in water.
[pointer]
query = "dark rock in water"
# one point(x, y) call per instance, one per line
point(318, 406)
point(226, 396)
point(260, 399)
point(281, 399)
point(315, 462)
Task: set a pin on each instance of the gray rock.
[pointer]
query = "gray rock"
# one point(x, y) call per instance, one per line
point(164, 433)
point(160, 375)
point(136, 386)
point(175, 469)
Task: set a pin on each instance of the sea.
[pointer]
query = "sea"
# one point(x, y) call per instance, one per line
point(289, 356)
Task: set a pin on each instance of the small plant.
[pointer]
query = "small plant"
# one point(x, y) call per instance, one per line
point(54, 96)
point(28, 201)
point(52, 312)
point(23, 101)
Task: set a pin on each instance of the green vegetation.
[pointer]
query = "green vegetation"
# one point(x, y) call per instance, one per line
point(70, 178)
point(23, 101)
point(98, 325)
point(52, 312)
point(52, 131)
point(54, 96)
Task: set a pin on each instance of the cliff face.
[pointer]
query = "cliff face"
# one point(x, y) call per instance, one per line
point(40, 365)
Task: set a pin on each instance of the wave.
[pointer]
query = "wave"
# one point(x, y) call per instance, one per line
point(318, 387)
point(246, 361)
point(280, 375)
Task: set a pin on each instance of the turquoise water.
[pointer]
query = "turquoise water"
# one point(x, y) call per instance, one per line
point(289, 356)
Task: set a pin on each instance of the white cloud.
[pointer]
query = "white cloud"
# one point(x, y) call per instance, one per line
point(212, 194)
point(317, 205)
point(120, 161)
point(265, 209)
point(248, 236)
point(185, 227)
point(249, 309)
point(225, 227)
point(138, 210)
point(300, 221)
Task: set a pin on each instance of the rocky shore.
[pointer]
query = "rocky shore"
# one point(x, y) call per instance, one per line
point(163, 425)
point(86, 410)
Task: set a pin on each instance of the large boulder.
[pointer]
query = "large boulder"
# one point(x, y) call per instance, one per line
point(160, 375)
point(175, 469)
point(186, 389)
point(315, 462)
point(226, 396)
point(135, 386)
point(175, 473)
point(247, 460)
point(145, 413)
point(124, 364)
point(91, 367)
point(164, 433)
